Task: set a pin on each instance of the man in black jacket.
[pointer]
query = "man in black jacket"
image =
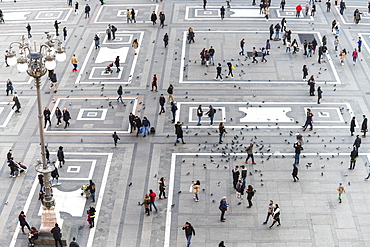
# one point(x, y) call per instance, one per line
point(297, 149)
point(189, 232)
point(173, 110)
point(357, 142)
point(57, 235)
point(179, 133)
point(354, 155)
point(131, 119)
point(211, 114)
point(137, 124)
point(364, 125)
point(170, 94)
point(162, 100)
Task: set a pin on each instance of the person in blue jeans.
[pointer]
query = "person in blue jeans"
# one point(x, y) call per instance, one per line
point(152, 196)
point(297, 147)
point(199, 114)
point(211, 114)
point(146, 126)
point(189, 232)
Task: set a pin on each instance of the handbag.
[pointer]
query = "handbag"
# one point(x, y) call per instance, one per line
point(191, 188)
point(141, 130)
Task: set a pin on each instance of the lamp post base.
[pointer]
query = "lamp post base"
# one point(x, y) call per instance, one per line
point(48, 219)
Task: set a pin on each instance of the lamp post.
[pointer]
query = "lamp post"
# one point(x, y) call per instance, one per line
point(36, 62)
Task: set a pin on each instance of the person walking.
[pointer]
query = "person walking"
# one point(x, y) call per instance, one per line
point(189, 231)
point(270, 211)
point(162, 101)
point(162, 188)
point(17, 103)
point(319, 94)
point(97, 41)
point(282, 5)
point(343, 55)
point(218, 70)
point(342, 6)
point(254, 55)
point(196, 188)
point(65, 33)
point(57, 235)
point(222, 12)
point(13, 168)
point(162, 18)
point(364, 126)
point(9, 155)
point(298, 10)
point(249, 150)
point(47, 114)
point(357, 142)
point(353, 157)
point(128, 16)
point(244, 173)
point(222, 244)
point(336, 43)
point(231, 68)
point(74, 243)
point(152, 200)
point(133, 15)
point(120, 92)
point(58, 115)
point(191, 35)
point(146, 203)
point(91, 216)
point(221, 131)
point(170, 94)
point(9, 87)
point(271, 29)
point(135, 44)
point(328, 6)
point(242, 43)
point(87, 11)
point(153, 18)
point(276, 216)
point(56, 26)
point(250, 193)
point(340, 190)
point(28, 27)
point(54, 80)
point(116, 62)
point(297, 150)
point(295, 173)
point(66, 117)
point(138, 125)
point(223, 208)
point(131, 119)
point(154, 83)
point(60, 156)
point(74, 62)
point(211, 114)
point(235, 172)
point(115, 138)
point(179, 133)
point(76, 8)
point(23, 222)
point(354, 56)
point(352, 126)
point(239, 189)
point(146, 126)
point(92, 189)
point(165, 40)
point(173, 110)
point(55, 175)
point(204, 4)
point(199, 115)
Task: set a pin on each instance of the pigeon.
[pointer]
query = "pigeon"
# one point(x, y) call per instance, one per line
point(130, 184)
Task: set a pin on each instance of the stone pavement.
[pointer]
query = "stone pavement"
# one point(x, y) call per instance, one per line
point(264, 103)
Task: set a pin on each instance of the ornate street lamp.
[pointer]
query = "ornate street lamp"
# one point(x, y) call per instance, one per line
point(36, 63)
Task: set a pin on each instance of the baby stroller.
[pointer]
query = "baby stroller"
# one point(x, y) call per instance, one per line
point(86, 191)
point(108, 69)
point(22, 168)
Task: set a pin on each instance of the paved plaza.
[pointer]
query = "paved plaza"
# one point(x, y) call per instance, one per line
point(264, 103)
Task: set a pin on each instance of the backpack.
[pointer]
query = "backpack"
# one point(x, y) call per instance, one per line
point(214, 111)
point(152, 130)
